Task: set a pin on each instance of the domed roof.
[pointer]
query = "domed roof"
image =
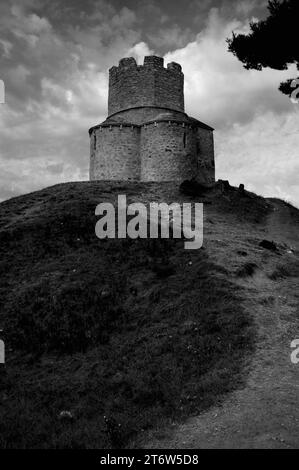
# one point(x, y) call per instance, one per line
point(166, 115)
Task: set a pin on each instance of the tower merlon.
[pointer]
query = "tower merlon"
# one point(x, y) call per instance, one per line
point(127, 62)
point(174, 67)
point(153, 61)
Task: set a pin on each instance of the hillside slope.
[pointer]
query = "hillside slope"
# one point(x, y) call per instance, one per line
point(264, 412)
point(129, 335)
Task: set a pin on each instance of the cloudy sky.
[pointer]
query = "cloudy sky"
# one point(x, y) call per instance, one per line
point(54, 60)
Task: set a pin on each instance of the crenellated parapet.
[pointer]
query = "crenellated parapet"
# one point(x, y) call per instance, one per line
point(150, 84)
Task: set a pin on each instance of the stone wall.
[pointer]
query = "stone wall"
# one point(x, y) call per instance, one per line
point(205, 156)
point(156, 151)
point(149, 84)
point(168, 152)
point(115, 153)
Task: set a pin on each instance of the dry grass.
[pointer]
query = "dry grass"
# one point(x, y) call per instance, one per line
point(138, 331)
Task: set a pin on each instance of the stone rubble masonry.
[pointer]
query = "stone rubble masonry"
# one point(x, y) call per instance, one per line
point(147, 135)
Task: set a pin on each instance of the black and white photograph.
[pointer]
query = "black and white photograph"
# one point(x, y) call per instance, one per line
point(149, 230)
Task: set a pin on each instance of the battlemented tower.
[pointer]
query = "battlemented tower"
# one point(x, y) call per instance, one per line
point(147, 135)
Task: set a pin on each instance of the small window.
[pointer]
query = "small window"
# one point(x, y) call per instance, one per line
point(184, 139)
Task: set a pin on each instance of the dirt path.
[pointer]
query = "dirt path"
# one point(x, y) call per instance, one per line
point(265, 413)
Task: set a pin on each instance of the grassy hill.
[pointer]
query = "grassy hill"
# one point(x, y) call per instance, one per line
point(123, 335)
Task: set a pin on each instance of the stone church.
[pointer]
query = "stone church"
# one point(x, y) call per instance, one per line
point(147, 135)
